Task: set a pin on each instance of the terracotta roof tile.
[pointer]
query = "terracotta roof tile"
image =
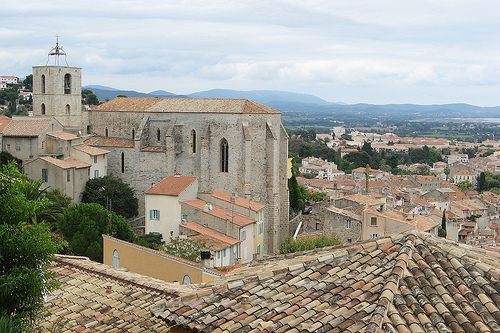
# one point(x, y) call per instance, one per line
point(4, 121)
point(102, 141)
point(239, 201)
point(171, 185)
point(92, 151)
point(63, 136)
point(196, 105)
point(407, 289)
point(220, 213)
point(214, 240)
point(67, 163)
point(29, 127)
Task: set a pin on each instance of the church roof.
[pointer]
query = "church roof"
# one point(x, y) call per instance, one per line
point(104, 141)
point(409, 283)
point(195, 105)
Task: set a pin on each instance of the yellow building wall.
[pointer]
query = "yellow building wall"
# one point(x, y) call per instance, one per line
point(141, 260)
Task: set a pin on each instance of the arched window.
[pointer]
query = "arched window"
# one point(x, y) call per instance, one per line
point(224, 156)
point(158, 135)
point(43, 84)
point(106, 131)
point(43, 109)
point(116, 259)
point(192, 140)
point(133, 133)
point(67, 84)
point(186, 279)
point(123, 162)
point(67, 108)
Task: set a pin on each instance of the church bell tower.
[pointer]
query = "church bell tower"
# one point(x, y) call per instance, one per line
point(57, 90)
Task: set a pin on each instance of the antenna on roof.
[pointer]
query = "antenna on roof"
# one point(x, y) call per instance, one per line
point(56, 51)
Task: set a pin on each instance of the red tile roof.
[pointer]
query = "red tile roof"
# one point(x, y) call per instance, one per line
point(239, 201)
point(63, 135)
point(196, 105)
point(220, 213)
point(4, 121)
point(92, 151)
point(171, 185)
point(102, 141)
point(29, 127)
point(66, 164)
point(213, 240)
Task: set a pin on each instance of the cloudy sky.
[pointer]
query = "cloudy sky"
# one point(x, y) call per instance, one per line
point(352, 51)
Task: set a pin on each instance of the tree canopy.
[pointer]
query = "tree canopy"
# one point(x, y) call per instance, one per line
point(102, 190)
point(26, 249)
point(82, 225)
point(89, 98)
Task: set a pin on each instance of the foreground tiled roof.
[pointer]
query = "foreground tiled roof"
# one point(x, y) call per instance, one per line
point(171, 185)
point(102, 141)
point(83, 305)
point(4, 121)
point(26, 127)
point(411, 283)
point(201, 105)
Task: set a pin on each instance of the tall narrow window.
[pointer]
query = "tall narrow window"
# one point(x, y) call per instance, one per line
point(224, 156)
point(67, 84)
point(123, 162)
point(106, 131)
point(116, 259)
point(68, 175)
point(43, 84)
point(158, 135)
point(67, 108)
point(133, 133)
point(193, 141)
point(45, 175)
point(43, 108)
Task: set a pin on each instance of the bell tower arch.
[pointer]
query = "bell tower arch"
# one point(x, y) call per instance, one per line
point(57, 90)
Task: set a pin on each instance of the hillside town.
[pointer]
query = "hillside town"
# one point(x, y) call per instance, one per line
point(416, 245)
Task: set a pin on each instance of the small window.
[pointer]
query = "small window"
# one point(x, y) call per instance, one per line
point(374, 236)
point(67, 84)
point(260, 228)
point(154, 214)
point(348, 224)
point(224, 156)
point(43, 86)
point(81, 174)
point(317, 226)
point(116, 259)
point(88, 129)
point(158, 135)
point(67, 108)
point(43, 109)
point(8, 147)
point(107, 131)
point(258, 249)
point(243, 235)
point(185, 217)
point(186, 279)
point(95, 159)
point(45, 176)
point(373, 221)
point(68, 175)
point(133, 134)
point(224, 253)
point(349, 240)
point(96, 173)
point(123, 162)
point(192, 140)
point(218, 254)
point(18, 146)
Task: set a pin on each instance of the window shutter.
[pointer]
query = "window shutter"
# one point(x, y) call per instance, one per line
point(150, 214)
point(158, 214)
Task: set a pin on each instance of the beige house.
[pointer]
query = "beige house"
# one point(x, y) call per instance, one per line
point(153, 263)
point(464, 176)
point(25, 137)
point(97, 157)
point(162, 204)
point(69, 176)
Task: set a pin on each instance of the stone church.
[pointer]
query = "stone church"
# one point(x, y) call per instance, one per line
point(234, 145)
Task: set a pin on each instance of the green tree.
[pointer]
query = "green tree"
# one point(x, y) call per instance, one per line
point(151, 240)
point(89, 98)
point(102, 190)
point(464, 186)
point(295, 194)
point(185, 248)
point(290, 245)
point(481, 183)
point(6, 158)
point(26, 250)
point(28, 82)
point(82, 225)
point(442, 229)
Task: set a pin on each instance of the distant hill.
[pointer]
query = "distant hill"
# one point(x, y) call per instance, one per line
point(295, 103)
